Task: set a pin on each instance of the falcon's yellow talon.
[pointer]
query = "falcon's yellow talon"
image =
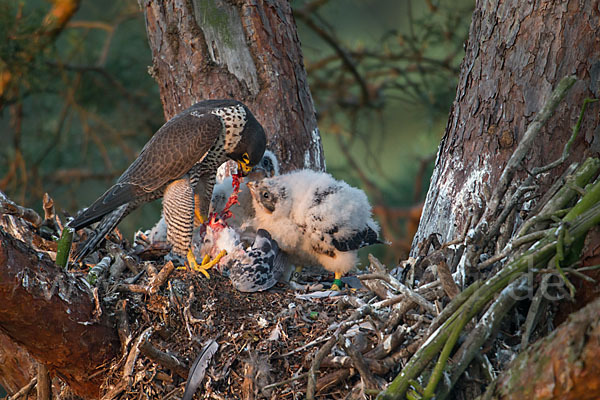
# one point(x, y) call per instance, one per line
point(191, 261)
point(204, 272)
point(215, 261)
point(221, 254)
point(207, 263)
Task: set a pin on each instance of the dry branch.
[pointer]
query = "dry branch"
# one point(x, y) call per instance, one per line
point(366, 375)
point(9, 208)
point(44, 383)
point(398, 286)
point(323, 351)
point(24, 391)
point(167, 360)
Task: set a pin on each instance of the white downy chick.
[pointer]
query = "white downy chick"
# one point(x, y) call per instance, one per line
point(315, 219)
point(158, 233)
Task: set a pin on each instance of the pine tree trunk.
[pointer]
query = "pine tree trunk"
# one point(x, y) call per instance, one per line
point(516, 55)
point(246, 50)
point(517, 52)
point(565, 365)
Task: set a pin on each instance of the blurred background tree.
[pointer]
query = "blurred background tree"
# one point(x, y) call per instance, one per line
point(77, 102)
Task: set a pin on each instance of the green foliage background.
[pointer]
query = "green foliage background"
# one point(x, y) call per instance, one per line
point(82, 108)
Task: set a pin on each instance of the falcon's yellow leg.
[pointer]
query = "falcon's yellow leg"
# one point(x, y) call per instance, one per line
point(206, 262)
point(337, 282)
point(198, 217)
point(191, 262)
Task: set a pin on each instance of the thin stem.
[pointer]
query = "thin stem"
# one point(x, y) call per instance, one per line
point(438, 370)
point(64, 247)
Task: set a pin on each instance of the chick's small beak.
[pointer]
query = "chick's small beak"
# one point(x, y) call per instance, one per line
point(252, 188)
point(244, 168)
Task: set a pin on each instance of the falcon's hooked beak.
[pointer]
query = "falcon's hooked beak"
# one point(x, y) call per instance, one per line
point(244, 166)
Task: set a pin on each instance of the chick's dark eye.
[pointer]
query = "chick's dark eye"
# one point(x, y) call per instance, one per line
point(265, 195)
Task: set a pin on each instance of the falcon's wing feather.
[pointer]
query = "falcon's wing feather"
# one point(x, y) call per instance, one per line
point(113, 198)
point(174, 149)
point(261, 268)
point(171, 152)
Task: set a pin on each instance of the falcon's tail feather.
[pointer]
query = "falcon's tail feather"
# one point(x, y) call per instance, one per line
point(108, 223)
point(116, 196)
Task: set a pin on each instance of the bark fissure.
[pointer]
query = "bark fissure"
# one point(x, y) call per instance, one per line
point(225, 39)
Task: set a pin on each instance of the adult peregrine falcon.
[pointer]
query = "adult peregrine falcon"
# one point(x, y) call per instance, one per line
point(315, 219)
point(179, 164)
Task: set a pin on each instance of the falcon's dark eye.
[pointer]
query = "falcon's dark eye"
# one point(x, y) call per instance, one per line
point(265, 195)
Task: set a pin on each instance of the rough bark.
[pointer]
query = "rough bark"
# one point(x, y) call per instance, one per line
point(565, 365)
point(247, 50)
point(517, 53)
point(17, 367)
point(53, 316)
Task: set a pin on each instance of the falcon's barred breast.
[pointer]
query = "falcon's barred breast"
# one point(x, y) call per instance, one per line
point(178, 162)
